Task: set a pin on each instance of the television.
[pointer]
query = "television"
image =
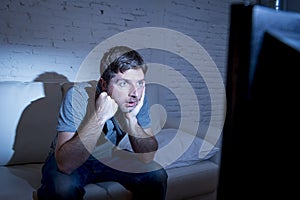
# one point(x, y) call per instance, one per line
point(259, 158)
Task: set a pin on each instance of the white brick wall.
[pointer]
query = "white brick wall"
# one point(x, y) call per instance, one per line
point(39, 36)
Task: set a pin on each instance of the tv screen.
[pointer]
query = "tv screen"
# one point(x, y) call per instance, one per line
point(259, 146)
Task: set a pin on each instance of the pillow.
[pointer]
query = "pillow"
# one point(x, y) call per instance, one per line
point(158, 117)
point(178, 148)
point(15, 97)
point(28, 120)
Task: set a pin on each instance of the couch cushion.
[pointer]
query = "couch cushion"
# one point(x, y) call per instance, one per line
point(28, 120)
point(178, 148)
point(21, 182)
point(183, 182)
point(190, 181)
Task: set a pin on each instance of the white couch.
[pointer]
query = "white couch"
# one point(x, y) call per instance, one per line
point(27, 127)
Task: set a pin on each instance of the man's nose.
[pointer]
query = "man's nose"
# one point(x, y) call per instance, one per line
point(134, 92)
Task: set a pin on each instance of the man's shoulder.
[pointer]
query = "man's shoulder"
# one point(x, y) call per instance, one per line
point(83, 86)
point(79, 93)
point(81, 89)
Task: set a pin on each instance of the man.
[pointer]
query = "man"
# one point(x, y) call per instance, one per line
point(89, 129)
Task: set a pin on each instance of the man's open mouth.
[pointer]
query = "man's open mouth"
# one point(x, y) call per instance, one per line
point(131, 103)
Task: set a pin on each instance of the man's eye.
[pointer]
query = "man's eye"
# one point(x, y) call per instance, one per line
point(140, 83)
point(122, 83)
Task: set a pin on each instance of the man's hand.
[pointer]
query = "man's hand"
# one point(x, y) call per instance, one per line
point(106, 107)
point(138, 107)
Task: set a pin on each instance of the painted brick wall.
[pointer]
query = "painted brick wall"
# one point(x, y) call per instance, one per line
point(38, 36)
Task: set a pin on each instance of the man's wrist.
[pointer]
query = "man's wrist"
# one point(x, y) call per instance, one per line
point(98, 121)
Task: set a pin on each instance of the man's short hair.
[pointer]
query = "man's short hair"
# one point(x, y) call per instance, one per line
point(119, 59)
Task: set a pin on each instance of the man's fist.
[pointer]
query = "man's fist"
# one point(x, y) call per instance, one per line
point(106, 107)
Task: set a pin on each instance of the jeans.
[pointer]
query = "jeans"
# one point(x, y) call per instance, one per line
point(57, 185)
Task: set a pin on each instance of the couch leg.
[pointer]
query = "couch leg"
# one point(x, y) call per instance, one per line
point(34, 195)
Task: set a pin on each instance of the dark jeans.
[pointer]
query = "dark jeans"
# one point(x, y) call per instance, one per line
point(57, 185)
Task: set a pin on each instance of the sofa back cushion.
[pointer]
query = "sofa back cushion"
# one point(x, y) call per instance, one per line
point(27, 120)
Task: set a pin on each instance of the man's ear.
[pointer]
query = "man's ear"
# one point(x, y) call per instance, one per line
point(103, 85)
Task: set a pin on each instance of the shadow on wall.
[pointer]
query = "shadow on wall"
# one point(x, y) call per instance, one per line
point(32, 142)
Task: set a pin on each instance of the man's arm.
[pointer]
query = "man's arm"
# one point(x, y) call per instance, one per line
point(142, 141)
point(74, 148)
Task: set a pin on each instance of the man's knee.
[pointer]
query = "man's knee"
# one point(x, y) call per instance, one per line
point(160, 175)
point(61, 189)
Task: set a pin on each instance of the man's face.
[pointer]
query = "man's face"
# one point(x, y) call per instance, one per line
point(127, 88)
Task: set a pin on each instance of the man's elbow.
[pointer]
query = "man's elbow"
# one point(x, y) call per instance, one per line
point(62, 165)
point(147, 157)
point(64, 168)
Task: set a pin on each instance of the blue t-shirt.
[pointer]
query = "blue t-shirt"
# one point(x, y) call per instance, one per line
point(74, 107)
